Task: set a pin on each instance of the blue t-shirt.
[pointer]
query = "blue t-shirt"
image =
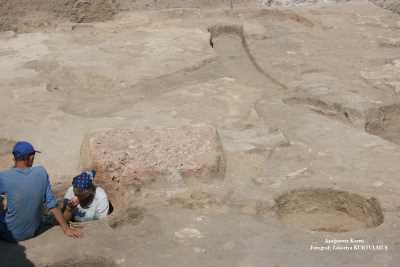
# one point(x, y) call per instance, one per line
point(26, 191)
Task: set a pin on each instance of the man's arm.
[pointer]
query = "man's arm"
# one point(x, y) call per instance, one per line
point(52, 205)
point(67, 213)
point(68, 231)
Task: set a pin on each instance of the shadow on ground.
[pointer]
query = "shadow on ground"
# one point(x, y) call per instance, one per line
point(13, 255)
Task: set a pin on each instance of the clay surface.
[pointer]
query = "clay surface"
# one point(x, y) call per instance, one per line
point(298, 102)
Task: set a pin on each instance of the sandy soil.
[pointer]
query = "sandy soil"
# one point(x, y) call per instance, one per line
point(303, 97)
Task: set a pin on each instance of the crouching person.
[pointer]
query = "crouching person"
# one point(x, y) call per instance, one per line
point(84, 201)
point(24, 189)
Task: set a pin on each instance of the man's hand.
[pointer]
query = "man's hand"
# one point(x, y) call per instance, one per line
point(68, 231)
point(72, 232)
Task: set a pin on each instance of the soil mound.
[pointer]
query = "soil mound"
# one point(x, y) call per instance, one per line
point(126, 160)
point(16, 16)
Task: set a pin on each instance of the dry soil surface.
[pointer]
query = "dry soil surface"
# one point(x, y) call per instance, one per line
point(306, 102)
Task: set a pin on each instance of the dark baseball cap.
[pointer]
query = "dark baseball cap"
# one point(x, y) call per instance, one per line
point(23, 148)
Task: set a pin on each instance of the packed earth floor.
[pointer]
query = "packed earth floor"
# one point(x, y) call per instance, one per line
point(305, 101)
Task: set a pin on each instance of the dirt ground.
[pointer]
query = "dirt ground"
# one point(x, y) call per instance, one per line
point(305, 99)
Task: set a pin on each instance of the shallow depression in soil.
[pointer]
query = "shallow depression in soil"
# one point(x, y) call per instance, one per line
point(385, 122)
point(85, 262)
point(132, 216)
point(328, 210)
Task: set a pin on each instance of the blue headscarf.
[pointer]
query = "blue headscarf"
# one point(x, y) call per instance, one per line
point(84, 180)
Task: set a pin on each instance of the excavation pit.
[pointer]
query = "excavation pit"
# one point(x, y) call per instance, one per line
point(328, 210)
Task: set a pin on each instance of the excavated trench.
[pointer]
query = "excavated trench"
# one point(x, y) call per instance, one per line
point(328, 210)
point(117, 99)
point(383, 121)
point(233, 55)
point(229, 41)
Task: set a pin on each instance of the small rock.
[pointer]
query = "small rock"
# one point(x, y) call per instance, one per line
point(188, 233)
point(297, 173)
point(200, 219)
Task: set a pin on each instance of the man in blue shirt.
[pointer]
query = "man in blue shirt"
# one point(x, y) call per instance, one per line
point(26, 189)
